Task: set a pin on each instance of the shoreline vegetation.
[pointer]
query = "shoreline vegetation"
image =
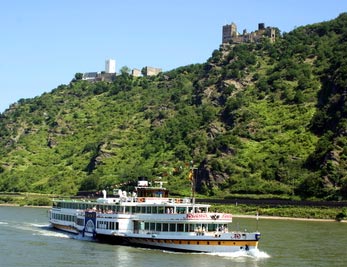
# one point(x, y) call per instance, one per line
point(281, 212)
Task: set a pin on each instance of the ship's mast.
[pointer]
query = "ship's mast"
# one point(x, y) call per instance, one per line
point(192, 177)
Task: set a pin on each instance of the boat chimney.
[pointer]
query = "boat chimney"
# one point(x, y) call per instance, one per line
point(104, 193)
point(142, 182)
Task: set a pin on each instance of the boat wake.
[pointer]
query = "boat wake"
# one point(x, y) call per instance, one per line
point(40, 229)
point(83, 238)
point(48, 230)
point(252, 253)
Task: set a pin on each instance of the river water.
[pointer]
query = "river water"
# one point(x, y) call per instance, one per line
point(27, 240)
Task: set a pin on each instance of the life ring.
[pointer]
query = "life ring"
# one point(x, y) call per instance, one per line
point(141, 199)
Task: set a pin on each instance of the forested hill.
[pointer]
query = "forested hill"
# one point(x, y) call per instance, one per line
point(255, 118)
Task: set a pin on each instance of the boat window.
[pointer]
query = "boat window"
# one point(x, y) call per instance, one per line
point(138, 209)
point(165, 227)
point(180, 227)
point(172, 227)
point(181, 210)
point(158, 227)
point(146, 226)
point(143, 209)
point(154, 210)
point(191, 227)
point(169, 210)
point(80, 221)
point(212, 227)
point(161, 210)
point(152, 226)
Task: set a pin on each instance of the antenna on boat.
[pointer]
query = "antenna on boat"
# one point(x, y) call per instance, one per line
point(192, 177)
point(257, 218)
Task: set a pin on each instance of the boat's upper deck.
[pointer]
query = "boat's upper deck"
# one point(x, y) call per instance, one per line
point(144, 200)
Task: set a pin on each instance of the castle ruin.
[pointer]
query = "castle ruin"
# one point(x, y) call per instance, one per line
point(230, 34)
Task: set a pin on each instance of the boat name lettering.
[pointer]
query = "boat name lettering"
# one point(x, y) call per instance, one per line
point(227, 216)
point(195, 216)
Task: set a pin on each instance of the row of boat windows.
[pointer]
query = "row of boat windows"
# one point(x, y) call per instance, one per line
point(128, 209)
point(184, 227)
point(70, 205)
point(63, 217)
point(80, 221)
point(107, 225)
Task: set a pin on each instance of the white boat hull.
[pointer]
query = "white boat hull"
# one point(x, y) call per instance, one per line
point(183, 244)
point(193, 246)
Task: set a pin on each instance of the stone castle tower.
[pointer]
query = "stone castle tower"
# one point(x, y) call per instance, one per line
point(229, 31)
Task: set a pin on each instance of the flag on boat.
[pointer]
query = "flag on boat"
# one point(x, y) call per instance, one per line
point(190, 176)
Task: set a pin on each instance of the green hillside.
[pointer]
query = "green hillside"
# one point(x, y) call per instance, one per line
point(256, 118)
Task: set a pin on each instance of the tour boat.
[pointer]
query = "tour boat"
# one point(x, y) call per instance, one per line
point(148, 217)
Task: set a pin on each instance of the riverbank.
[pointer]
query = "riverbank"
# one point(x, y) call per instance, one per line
point(24, 206)
point(284, 212)
point(285, 218)
point(259, 217)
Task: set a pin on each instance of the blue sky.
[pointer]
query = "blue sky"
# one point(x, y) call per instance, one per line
point(44, 43)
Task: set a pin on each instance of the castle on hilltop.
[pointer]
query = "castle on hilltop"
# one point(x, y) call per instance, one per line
point(230, 34)
point(109, 74)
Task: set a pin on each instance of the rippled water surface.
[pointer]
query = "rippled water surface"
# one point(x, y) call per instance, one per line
point(27, 240)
